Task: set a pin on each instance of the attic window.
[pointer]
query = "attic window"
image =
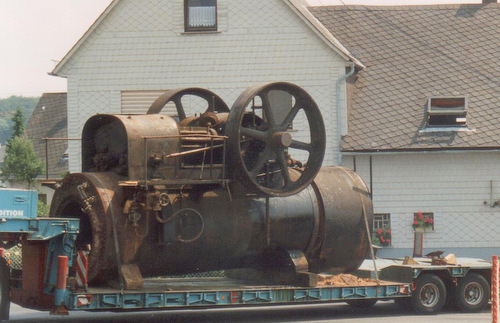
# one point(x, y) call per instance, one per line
point(200, 15)
point(447, 112)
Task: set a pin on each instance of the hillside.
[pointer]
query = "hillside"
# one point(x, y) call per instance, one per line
point(8, 107)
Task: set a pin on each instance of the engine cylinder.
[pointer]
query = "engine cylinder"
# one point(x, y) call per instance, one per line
point(206, 230)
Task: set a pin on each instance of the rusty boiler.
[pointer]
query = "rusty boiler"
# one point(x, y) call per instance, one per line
point(221, 189)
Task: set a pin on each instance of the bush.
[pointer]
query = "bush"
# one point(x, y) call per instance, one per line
point(42, 209)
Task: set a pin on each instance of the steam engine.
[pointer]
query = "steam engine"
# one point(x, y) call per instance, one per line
point(227, 188)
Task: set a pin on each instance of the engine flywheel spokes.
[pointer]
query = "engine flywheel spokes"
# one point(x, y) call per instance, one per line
point(262, 138)
point(214, 102)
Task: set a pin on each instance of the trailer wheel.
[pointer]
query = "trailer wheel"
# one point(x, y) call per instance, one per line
point(362, 303)
point(472, 293)
point(4, 290)
point(429, 296)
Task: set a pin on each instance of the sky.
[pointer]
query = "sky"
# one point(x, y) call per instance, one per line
point(36, 34)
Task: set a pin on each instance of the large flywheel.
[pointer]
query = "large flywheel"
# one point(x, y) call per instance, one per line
point(271, 128)
point(214, 103)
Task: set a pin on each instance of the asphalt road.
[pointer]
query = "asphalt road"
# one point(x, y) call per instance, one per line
point(382, 312)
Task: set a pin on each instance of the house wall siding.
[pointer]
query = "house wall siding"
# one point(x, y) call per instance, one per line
point(141, 46)
point(454, 186)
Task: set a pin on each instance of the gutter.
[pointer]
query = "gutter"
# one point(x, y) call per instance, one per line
point(300, 7)
point(420, 151)
point(340, 80)
point(53, 74)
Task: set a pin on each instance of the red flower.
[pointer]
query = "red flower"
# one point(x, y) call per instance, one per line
point(420, 216)
point(388, 231)
point(431, 221)
point(380, 231)
point(382, 239)
point(415, 222)
point(388, 240)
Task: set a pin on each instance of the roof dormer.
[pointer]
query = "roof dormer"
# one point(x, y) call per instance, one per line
point(447, 112)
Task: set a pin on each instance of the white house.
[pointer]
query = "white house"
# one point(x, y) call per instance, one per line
point(423, 127)
point(138, 49)
point(396, 59)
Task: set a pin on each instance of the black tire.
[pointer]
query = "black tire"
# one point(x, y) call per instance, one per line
point(472, 293)
point(450, 305)
point(429, 296)
point(362, 303)
point(4, 290)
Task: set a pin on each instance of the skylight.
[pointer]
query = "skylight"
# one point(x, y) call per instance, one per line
point(447, 112)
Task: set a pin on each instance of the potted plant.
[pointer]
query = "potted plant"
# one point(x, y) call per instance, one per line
point(382, 237)
point(422, 222)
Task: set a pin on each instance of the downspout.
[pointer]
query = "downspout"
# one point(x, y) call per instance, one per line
point(339, 123)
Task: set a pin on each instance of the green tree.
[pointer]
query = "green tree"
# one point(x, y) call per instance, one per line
point(18, 128)
point(21, 161)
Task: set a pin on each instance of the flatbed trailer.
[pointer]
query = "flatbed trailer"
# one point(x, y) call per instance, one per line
point(45, 241)
point(48, 246)
point(464, 285)
point(191, 293)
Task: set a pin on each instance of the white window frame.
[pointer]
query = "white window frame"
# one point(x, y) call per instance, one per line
point(203, 13)
point(442, 110)
point(385, 220)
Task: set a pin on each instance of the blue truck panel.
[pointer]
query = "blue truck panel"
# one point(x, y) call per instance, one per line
point(99, 300)
point(16, 203)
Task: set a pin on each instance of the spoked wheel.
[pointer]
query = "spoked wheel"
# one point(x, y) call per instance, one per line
point(214, 103)
point(429, 296)
point(261, 139)
point(472, 293)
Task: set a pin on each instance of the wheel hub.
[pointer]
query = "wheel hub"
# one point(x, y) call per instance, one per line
point(473, 293)
point(429, 295)
point(282, 139)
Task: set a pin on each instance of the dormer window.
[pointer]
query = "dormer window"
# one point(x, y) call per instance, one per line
point(447, 112)
point(200, 15)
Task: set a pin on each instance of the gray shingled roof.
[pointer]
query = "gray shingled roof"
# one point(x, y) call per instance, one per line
point(49, 120)
point(412, 53)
